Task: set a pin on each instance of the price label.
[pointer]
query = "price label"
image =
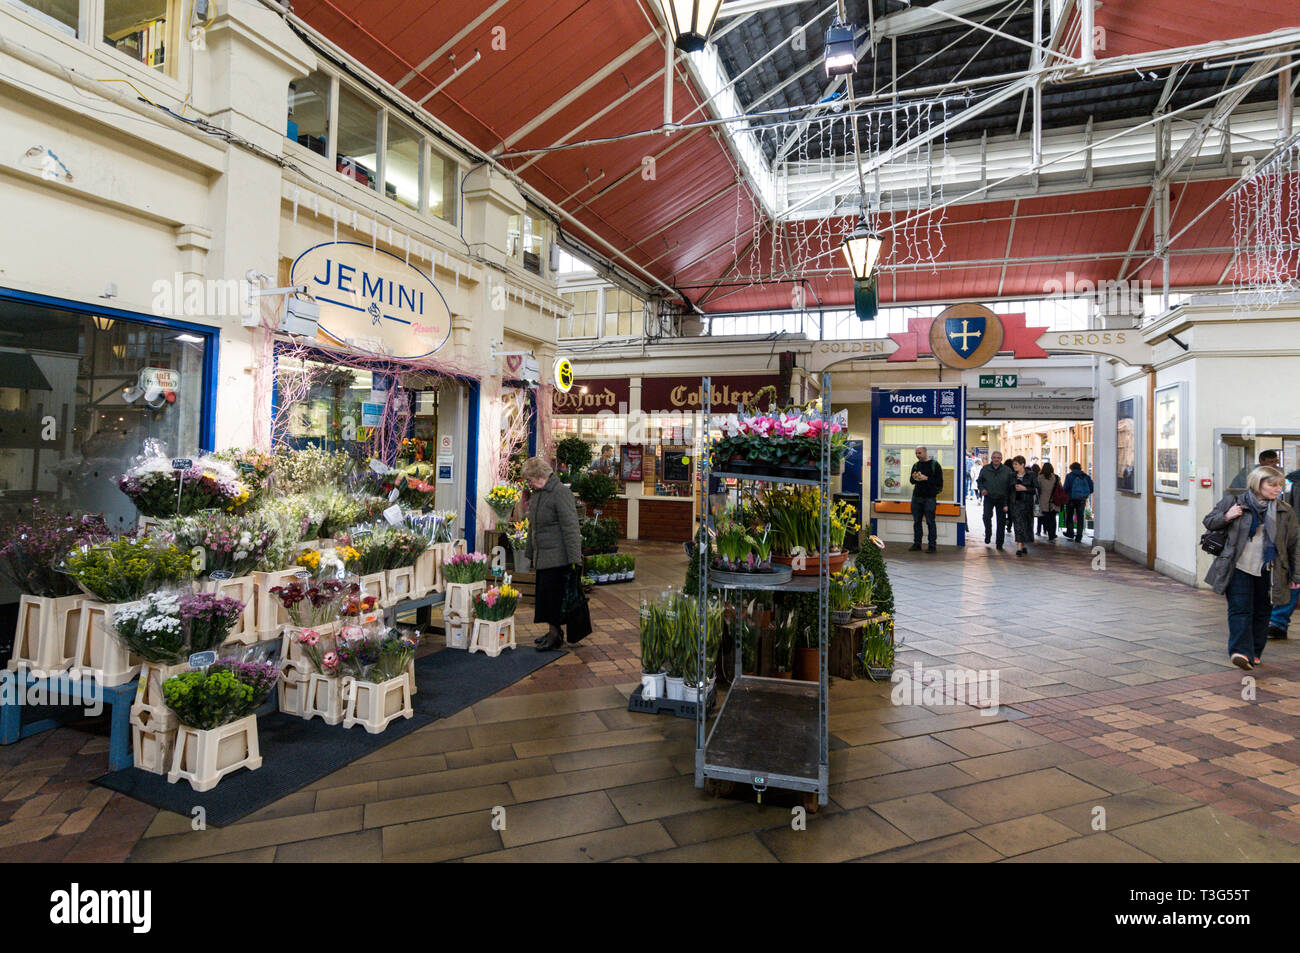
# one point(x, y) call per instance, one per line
point(202, 659)
point(394, 515)
point(182, 463)
point(217, 575)
point(247, 468)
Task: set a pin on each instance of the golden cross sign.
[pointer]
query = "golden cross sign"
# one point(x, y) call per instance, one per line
point(965, 334)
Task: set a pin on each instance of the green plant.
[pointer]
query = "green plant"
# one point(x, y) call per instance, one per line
point(842, 586)
point(598, 534)
point(878, 645)
point(862, 589)
point(785, 627)
point(595, 488)
point(573, 453)
point(654, 637)
point(126, 568)
point(224, 693)
point(871, 559)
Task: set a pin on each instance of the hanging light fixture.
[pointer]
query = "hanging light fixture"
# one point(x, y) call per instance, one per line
point(841, 54)
point(102, 323)
point(691, 22)
point(861, 249)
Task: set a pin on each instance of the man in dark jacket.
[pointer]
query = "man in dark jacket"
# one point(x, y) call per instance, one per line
point(994, 482)
point(1078, 487)
point(1280, 620)
point(927, 482)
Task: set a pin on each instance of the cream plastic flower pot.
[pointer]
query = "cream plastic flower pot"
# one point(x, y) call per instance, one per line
point(460, 598)
point(243, 588)
point(100, 654)
point(271, 613)
point(291, 692)
point(375, 704)
point(652, 686)
point(45, 641)
point(152, 750)
point(324, 698)
point(492, 638)
point(205, 757)
point(674, 688)
point(149, 710)
point(375, 584)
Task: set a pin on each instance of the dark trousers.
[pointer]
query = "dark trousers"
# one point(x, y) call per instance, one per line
point(1249, 609)
point(1047, 523)
point(992, 506)
point(1074, 521)
point(924, 507)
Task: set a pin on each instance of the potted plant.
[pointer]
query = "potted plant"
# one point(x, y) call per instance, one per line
point(794, 514)
point(784, 630)
point(518, 536)
point(218, 730)
point(573, 454)
point(843, 521)
point(595, 488)
point(654, 644)
point(376, 687)
point(843, 585)
point(871, 559)
point(878, 649)
point(494, 620)
point(588, 583)
point(674, 608)
point(862, 589)
point(698, 684)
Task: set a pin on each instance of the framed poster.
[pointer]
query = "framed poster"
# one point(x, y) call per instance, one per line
point(1171, 440)
point(1128, 440)
point(631, 456)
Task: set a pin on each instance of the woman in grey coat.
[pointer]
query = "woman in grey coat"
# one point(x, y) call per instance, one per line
point(1259, 565)
point(555, 545)
point(1047, 510)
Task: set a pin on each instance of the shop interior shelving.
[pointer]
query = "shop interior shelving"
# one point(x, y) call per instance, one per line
point(769, 732)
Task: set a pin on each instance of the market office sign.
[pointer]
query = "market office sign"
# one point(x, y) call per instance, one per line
point(373, 301)
point(684, 394)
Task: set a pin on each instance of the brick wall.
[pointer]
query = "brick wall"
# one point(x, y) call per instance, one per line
point(666, 520)
point(616, 509)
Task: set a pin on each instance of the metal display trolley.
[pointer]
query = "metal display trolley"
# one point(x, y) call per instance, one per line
point(770, 732)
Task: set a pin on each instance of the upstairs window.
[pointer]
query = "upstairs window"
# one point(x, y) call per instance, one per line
point(144, 30)
point(309, 112)
point(443, 187)
point(358, 147)
point(402, 164)
point(63, 15)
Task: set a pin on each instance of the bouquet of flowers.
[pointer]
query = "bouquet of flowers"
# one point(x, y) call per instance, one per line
point(328, 563)
point(227, 691)
point(434, 527)
point(325, 662)
point(502, 499)
point(30, 551)
point(309, 469)
point(466, 567)
point(357, 605)
point(843, 521)
point(404, 547)
point(374, 550)
point(411, 491)
point(518, 535)
point(497, 603)
point(167, 627)
point(313, 602)
point(370, 657)
point(253, 466)
point(227, 543)
point(127, 568)
point(159, 491)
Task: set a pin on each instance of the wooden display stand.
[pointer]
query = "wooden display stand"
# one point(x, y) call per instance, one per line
point(492, 638)
point(99, 654)
point(243, 588)
point(205, 757)
point(375, 704)
point(846, 643)
point(45, 641)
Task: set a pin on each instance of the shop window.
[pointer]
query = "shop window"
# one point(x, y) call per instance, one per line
point(60, 14)
point(534, 233)
point(513, 238)
point(358, 145)
point(144, 30)
point(402, 164)
point(581, 323)
point(331, 414)
point(623, 314)
point(68, 429)
point(443, 187)
point(309, 112)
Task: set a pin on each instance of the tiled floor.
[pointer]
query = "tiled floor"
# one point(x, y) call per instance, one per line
point(1123, 735)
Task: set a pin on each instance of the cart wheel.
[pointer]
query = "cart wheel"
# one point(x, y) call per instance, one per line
point(810, 802)
point(716, 788)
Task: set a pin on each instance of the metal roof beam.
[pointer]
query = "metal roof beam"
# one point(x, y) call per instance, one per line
point(740, 8)
point(1222, 108)
point(921, 19)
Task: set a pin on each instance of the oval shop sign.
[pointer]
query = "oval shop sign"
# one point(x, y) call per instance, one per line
point(373, 301)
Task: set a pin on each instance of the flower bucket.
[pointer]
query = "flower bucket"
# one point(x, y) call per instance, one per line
point(652, 686)
point(426, 572)
point(674, 688)
point(841, 617)
point(45, 642)
point(862, 612)
point(522, 562)
point(100, 654)
point(271, 613)
point(291, 691)
point(374, 705)
point(492, 638)
point(324, 698)
point(807, 665)
point(400, 584)
point(204, 757)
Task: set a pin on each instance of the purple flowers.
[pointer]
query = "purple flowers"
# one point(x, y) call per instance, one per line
point(30, 551)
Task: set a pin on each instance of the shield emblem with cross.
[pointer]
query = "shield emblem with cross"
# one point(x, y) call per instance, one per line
point(965, 334)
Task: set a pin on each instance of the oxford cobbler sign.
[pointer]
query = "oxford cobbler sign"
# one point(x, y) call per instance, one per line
point(373, 301)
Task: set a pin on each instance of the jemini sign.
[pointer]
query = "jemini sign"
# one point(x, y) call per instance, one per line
point(374, 301)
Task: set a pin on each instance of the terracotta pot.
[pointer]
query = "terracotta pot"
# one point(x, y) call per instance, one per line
point(763, 618)
point(783, 675)
point(806, 665)
point(811, 569)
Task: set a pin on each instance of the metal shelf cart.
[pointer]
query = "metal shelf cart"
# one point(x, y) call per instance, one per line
point(770, 732)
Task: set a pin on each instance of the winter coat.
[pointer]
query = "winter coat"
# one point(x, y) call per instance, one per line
point(1293, 496)
point(554, 537)
point(1078, 485)
point(996, 482)
point(1045, 487)
point(1286, 568)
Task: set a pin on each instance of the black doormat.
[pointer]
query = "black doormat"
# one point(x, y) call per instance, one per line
point(296, 753)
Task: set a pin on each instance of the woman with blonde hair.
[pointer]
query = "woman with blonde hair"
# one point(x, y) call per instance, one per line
point(555, 545)
point(1258, 566)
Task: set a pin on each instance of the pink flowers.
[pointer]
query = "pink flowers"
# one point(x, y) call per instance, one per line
point(330, 662)
point(308, 637)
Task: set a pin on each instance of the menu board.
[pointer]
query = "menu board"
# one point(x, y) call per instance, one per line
point(891, 472)
point(676, 465)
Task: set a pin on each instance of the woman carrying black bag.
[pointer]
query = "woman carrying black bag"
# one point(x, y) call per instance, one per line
point(555, 544)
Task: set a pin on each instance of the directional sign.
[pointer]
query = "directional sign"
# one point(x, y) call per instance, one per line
point(998, 381)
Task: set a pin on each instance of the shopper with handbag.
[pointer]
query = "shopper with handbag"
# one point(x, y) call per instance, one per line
point(1078, 487)
point(1024, 490)
point(1280, 621)
point(1050, 499)
point(1257, 539)
point(555, 544)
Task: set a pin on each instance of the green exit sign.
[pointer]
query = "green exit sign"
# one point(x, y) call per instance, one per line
point(998, 381)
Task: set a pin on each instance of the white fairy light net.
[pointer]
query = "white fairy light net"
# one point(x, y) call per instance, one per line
point(1266, 230)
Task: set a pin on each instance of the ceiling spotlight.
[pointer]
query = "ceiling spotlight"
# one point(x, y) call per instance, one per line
point(841, 54)
point(691, 22)
point(189, 339)
point(131, 394)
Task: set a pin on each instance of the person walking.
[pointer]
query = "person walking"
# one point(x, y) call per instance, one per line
point(555, 545)
point(1280, 621)
point(1078, 487)
point(1024, 490)
point(995, 489)
point(1267, 458)
point(927, 483)
point(1048, 482)
point(1258, 567)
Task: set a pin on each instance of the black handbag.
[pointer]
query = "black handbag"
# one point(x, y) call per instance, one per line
point(1215, 541)
point(574, 598)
